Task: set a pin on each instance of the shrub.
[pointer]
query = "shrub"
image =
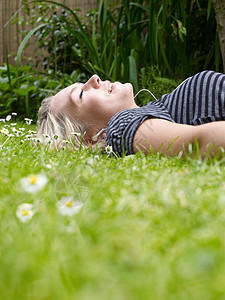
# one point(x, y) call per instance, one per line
point(118, 40)
point(22, 89)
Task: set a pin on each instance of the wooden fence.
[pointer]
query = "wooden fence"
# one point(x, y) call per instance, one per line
point(12, 38)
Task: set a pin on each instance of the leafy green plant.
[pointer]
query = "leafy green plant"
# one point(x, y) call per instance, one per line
point(122, 41)
point(152, 79)
point(27, 88)
point(118, 40)
point(105, 49)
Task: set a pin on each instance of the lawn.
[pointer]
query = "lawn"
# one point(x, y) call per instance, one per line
point(108, 228)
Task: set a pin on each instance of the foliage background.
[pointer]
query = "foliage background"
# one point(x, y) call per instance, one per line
point(143, 42)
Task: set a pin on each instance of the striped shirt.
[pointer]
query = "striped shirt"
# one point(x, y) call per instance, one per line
point(199, 99)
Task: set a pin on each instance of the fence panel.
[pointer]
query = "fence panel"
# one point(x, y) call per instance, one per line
point(12, 37)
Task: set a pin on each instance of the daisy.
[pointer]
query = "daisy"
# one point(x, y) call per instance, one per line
point(65, 141)
point(76, 133)
point(28, 121)
point(67, 206)
point(33, 183)
point(35, 139)
point(48, 141)
point(48, 166)
point(8, 118)
point(32, 132)
point(5, 131)
point(108, 149)
point(90, 161)
point(25, 212)
point(17, 132)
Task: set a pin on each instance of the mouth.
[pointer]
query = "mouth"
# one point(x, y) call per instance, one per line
point(110, 88)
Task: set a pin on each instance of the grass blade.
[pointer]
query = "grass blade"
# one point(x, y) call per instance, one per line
point(133, 72)
point(22, 45)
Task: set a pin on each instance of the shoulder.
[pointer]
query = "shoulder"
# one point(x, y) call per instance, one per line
point(158, 135)
point(123, 126)
point(118, 128)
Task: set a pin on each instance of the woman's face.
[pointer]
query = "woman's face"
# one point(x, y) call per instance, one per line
point(95, 101)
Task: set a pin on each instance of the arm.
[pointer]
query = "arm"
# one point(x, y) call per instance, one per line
point(170, 138)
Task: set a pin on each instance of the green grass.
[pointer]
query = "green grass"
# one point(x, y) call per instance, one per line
point(150, 228)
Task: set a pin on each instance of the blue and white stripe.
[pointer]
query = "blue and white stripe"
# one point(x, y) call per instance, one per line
point(199, 99)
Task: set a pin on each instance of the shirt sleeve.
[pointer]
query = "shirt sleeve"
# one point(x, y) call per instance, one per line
point(123, 125)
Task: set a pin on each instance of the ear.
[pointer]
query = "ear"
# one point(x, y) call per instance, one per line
point(101, 134)
point(88, 141)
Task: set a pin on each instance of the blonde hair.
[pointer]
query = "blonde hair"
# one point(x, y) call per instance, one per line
point(60, 129)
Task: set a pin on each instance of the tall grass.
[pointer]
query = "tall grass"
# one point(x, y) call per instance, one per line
point(179, 32)
point(121, 38)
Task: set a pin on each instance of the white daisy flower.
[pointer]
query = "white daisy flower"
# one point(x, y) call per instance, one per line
point(13, 124)
point(67, 206)
point(48, 141)
point(33, 183)
point(14, 114)
point(76, 133)
point(28, 121)
point(45, 135)
point(16, 131)
point(48, 166)
point(36, 139)
point(65, 141)
point(2, 120)
point(108, 149)
point(11, 135)
point(90, 161)
point(8, 118)
point(25, 212)
point(32, 131)
point(4, 131)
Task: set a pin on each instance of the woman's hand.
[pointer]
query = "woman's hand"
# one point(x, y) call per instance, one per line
point(158, 135)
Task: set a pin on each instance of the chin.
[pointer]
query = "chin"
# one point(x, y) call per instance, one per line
point(129, 85)
point(130, 89)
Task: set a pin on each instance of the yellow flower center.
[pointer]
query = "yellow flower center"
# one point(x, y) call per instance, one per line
point(33, 179)
point(69, 203)
point(25, 212)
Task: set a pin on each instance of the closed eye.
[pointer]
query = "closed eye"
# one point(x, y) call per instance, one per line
point(81, 93)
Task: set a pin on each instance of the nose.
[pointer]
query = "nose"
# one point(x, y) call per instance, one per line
point(94, 82)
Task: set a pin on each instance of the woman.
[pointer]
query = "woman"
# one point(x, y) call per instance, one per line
point(100, 111)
